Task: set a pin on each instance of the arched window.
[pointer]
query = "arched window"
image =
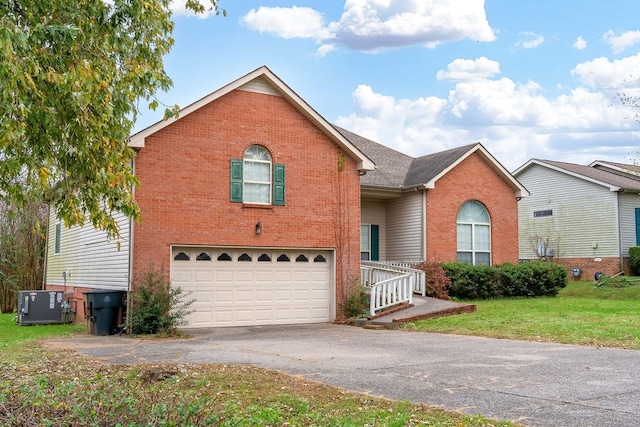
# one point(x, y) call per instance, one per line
point(255, 179)
point(474, 234)
point(256, 172)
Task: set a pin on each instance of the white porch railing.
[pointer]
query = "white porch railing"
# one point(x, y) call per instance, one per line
point(389, 284)
point(417, 276)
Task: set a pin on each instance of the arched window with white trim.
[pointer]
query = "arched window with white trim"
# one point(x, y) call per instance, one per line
point(474, 234)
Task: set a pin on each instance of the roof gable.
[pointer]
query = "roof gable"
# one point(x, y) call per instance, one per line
point(402, 172)
point(263, 80)
point(613, 181)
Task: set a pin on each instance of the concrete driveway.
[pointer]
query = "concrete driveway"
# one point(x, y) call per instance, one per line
point(537, 384)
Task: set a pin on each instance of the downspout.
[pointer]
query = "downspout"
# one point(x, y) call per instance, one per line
point(618, 213)
point(423, 235)
point(130, 269)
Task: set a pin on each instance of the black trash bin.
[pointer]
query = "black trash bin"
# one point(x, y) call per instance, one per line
point(102, 309)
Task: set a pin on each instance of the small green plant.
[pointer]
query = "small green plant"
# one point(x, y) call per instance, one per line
point(634, 260)
point(157, 307)
point(357, 303)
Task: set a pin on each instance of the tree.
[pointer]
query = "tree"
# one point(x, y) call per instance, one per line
point(22, 246)
point(71, 76)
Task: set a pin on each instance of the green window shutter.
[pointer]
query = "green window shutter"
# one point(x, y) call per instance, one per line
point(637, 226)
point(375, 243)
point(236, 180)
point(278, 184)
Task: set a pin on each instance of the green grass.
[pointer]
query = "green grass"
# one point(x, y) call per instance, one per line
point(582, 313)
point(11, 333)
point(41, 387)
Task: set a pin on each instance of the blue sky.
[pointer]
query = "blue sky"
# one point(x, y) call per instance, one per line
point(527, 78)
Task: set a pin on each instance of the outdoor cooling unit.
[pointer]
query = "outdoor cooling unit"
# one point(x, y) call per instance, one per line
point(43, 307)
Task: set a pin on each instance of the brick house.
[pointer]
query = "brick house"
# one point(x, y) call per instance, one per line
point(263, 210)
point(460, 204)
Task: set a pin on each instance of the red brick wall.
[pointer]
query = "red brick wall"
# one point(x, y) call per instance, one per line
point(472, 179)
point(589, 266)
point(184, 185)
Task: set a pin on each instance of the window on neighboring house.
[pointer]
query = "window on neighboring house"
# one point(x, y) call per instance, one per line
point(369, 242)
point(255, 179)
point(474, 234)
point(538, 214)
point(56, 246)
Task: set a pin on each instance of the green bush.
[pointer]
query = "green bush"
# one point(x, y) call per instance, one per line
point(634, 260)
point(531, 279)
point(472, 281)
point(157, 307)
point(357, 303)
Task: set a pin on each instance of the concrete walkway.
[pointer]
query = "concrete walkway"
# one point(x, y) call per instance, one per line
point(422, 308)
point(537, 384)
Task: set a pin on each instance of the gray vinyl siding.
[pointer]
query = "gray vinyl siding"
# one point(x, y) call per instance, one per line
point(628, 203)
point(405, 232)
point(93, 260)
point(374, 212)
point(584, 215)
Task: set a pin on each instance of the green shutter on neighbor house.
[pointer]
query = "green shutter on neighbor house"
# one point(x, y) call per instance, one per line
point(236, 180)
point(637, 226)
point(278, 184)
point(375, 243)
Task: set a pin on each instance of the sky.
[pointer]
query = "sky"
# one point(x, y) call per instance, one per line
point(527, 78)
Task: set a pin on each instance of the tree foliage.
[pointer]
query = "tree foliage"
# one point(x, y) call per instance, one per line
point(72, 74)
point(22, 246)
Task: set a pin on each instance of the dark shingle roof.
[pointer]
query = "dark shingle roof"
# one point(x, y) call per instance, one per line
point(392, 164)
point(424, 169)
point(604, 176)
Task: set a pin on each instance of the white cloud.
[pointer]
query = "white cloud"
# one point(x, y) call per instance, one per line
point(514, 121)
point(374, 25)
point(531, 41)
point(287, 22)
point(580, 43)
point(469, 69)
point(605, 74)
point(620, 42)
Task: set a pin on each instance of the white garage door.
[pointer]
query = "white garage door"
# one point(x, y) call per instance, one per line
point(235, 287)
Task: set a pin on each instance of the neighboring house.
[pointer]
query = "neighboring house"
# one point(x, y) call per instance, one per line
point(583, 217)
point(460, 204)
point(263, 210)
point(250, 200)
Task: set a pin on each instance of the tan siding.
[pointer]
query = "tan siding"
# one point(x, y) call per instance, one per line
point(93, 261)
point(628, 204)
point(405, 234)
point(584, 215)
point(374, 212)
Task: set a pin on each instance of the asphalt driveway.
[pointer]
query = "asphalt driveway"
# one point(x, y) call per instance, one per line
point(537, 384)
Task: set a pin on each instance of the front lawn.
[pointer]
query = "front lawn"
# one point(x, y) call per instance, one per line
point(582, 313)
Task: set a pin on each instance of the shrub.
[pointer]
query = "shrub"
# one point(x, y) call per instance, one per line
point(357, 303)
point(436, 280)
point(157, 307)
point(530, 279)
point(472, 281)
point(634, 260)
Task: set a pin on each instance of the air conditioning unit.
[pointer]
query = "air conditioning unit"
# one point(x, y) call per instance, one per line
point(43, 307)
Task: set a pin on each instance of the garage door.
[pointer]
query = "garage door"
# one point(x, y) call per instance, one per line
point(235, 287)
